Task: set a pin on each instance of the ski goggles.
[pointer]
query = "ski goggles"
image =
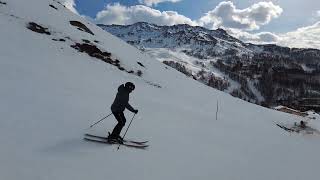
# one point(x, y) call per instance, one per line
point(131, 88)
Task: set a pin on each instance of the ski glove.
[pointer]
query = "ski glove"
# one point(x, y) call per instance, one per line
point(135, 111)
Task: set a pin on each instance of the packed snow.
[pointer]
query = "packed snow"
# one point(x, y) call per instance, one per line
point(51, 93)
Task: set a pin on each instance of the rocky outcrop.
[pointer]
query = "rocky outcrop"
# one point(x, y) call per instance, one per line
point(81, 27)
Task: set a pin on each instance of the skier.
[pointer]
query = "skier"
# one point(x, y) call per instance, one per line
point(302, 125)
point(121, 102)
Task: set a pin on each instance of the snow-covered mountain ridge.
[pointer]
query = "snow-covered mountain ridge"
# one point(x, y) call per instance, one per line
point(59, 74)
point(226, 63)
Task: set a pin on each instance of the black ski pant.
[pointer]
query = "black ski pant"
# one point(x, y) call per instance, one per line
point(121, 122)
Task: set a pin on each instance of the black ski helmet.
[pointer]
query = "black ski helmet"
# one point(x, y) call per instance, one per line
point(129, 85)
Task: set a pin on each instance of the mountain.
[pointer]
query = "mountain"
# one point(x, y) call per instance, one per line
point(59, 74)
point(269, 75)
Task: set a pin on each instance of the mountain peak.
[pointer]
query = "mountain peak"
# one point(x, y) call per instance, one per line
point(145, 24)
point(221, 30)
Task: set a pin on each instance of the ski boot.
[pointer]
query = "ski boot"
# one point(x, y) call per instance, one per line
point(114, 139)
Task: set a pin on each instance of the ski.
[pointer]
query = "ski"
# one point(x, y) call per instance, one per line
point(285, 128)
point(288, 129)
point(297, 129)
point(104, 141)
point(125, 140)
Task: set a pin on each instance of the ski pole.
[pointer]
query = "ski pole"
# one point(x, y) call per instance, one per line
point(127, 129)
point(100, 120)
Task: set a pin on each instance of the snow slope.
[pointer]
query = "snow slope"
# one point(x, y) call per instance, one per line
point(50, 94)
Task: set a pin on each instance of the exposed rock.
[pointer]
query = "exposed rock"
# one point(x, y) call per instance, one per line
point(139, 73)
point(178, 67)
point(37, 28)
point(91, 50)
point(53, 7)
point(94, 51)
point(59, 3)
point(140, 64)
point(62, 40)
point(81, 26)
point(86, 41)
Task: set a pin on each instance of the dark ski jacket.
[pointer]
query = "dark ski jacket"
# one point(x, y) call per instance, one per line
point(122, 100)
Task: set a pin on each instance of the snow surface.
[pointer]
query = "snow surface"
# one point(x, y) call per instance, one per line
point(50, 94)
point(255, 91)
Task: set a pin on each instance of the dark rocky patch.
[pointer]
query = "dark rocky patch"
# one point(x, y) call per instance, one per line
point(108, 55)
point(86, 41)
point(94, 51)
point(37, 28)
point(3, 3)
point(59, 3)
point(81, 27)
point(62, 40)
point(139, 73)
point(121, 68)
point(140, 64)
point(96, 41)
point(116, 60)
point(53, 7)
point(91, 50)
point(179, 67)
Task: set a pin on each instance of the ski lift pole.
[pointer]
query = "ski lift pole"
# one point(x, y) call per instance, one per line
point(127, 129)
point(100, 120)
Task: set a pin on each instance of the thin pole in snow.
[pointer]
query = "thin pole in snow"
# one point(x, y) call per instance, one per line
point(217, 110)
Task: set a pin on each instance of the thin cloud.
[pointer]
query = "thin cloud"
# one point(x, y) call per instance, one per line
point(227, 15)
point(256, 38)
point(156, 2)
point(118, 14)
point(305, 37)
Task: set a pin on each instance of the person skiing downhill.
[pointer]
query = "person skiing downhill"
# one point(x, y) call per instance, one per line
point(121, 102)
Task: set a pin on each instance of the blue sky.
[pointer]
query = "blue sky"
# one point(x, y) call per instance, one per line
point(186, 7)
point(255, 21)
